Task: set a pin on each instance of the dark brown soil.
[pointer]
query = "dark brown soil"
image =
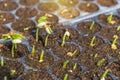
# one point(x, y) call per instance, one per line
point(33, 61)
point(48, 6)
point(108, 33)
point(92, 8)
point(68, 13)
point(36, 75)
point(68, 2)
point(102, 19)
point(8, 5)
point(11, 65)
point(107, 3)
point(23, 25)
point(6, 18)
point(59, 71)
point(3, 30)
point(84, 28)
point(26, 12)
point(6, 51)
point(28, 2)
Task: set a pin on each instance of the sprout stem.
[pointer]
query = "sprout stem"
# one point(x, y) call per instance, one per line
point(2, 61)
point(41, 56)
point(65, 63)
point(118, 28)
point(46, 40)
point(100, 61)
point(92, 41)
point(109, 18)
point(37, 34)
point(65, 77)
point(92, 25)
point(75, 66)
point(33, 50)
point(5, 78)
point(13, 49)
point(104, 74)
point(12, 72)
point(113, 46)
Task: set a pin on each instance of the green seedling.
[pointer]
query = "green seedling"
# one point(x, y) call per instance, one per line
point(109, 18)
point(2, 61)
point(46, 40)
point(88, 4)
point(96, 55)
point(33, 50)
point(75, 66)
point(118, 28)
point(100, 62)
point(72, 53)
point(65, 77)
point(16, 39)
point(41, 56)
point(43, 23)
point(65, 64)
point(12, 72)
point(92, 25)
point(104, 74)
point(113, 45)
point(66, 34)
point(5, 78)
point(92, 41)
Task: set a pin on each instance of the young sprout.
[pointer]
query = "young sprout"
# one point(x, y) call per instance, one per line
point(72, 53)
point(33, 50)
point(75, 66)
point(16, 39)
point(43, 23)
point(46, 40)
point(65, 77)
point(12, 72)
point(104, 74)
point(5, 78)
point(109, 18)
point(92, 41)
point(92, 25)
point(41, 56)
point(65, 64)
point(118, 28)
point(66, 34)
point(96, 55)
point(88, 4)
point(113, 46)
point(2, 61)
point(100, 61)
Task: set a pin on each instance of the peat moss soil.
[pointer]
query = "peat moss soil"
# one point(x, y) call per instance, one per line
point(82, 65)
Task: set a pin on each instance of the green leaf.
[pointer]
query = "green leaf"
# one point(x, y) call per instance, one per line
point(42, 19)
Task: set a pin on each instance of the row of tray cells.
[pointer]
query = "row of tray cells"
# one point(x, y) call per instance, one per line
point(67, 9)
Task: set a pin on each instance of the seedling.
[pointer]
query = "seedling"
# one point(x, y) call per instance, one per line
point(92, 41)
point(12, 72)
point(5, 78)
point(92, 25)
point(72, 53)
point(46, 40)
point(33, 50)
point(15, 37)
point(2, 61)
point(41, 56)
point(100, 62)
point(96, 55)
point(113, 46)
point(66, 34)
point(65, 77)
point(65, 64)
point(88, 4)
point(118, 28)
point(43, 23)
point(109, 18)
point(104, 74)
point(75, 66)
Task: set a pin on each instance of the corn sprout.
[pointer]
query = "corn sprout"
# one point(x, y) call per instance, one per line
point(92, 41)
point(33, 50)
point(100, 61)
point(104, 74)
point(46, 40)
point(65, 77)
point(92, 25)
point(113, 45)
point(2, 61)
point(75, 66)
point(41, 56)
point(65, 64)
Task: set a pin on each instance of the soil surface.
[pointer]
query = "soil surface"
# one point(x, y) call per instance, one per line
point(28, 2)
point(107, 3)
point(68, 2)
point(85, 8)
